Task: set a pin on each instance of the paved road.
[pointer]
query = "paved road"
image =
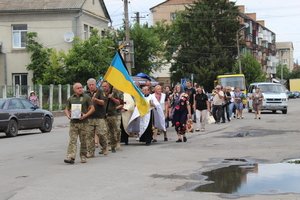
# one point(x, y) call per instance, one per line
point(32, 168)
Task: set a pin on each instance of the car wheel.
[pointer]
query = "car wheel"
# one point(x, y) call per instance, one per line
point(273, 111)
point(284, 111)
point(47, 125)
point(12, 128)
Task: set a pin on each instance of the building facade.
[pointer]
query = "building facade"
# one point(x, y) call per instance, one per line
point(56, 24)
point(259, 41)
point(166, 11)
point(285, 54)
point(255, 39)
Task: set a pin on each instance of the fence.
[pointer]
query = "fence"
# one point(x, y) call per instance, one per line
point(51, 97)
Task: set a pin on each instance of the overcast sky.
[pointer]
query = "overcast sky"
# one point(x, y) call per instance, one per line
point(281, 16)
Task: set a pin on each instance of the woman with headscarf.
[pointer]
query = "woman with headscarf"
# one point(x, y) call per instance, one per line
point(182, 112)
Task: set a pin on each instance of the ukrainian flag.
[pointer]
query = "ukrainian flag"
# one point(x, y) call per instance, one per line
point(118, 77)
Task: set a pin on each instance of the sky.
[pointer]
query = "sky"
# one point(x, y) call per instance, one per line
point(281, 17)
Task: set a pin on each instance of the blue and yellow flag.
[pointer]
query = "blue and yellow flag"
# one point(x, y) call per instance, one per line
point(118, 77)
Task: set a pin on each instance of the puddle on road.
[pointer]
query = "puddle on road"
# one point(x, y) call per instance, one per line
point(253, 179)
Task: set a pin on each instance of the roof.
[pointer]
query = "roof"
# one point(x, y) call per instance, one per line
point(22, 5)
point(158, 5)
point(174, 2)
point(40, 5)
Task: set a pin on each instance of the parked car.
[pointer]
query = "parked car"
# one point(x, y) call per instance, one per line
point(290, 94)
point(20, 114)
point(296, 94)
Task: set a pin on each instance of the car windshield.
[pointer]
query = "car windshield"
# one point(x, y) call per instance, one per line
point(272, 88)
point(2, 102)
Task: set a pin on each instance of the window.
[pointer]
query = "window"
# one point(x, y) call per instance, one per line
point(87, 31)
point(21, 80)
point(19, 32)
point(102, 33)
point(15, 104)
point(27, 104)
point(91, 28)
point(285, 61)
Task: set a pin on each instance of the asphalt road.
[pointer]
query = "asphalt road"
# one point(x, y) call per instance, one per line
point(32, 167)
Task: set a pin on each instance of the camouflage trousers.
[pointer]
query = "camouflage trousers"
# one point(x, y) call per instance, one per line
point(97, 127)
point(113, 130)
point(77, 130)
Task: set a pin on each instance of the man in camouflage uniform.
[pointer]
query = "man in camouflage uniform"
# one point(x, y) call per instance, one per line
point(96, 120)
point(78, 124)
point(113, 103)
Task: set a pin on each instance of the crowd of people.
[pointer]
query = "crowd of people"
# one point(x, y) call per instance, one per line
point(109, 117)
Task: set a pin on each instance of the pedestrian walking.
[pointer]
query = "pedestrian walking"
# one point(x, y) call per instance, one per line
point(164, 103)
point(218, 100)
point(201, 106)
point(79, 107)
point(238, 101)
point(113, 100)
point(226, 104)
point(182, 113)
point(97, 136)
point(257, 99)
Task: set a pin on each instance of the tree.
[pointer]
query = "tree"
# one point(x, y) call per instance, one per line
point(89, 58)
point(148, 48)
point(251, 69)
point(285, 71)
point(203, 40)
point(39, 58)
point(56, 72)
point(295, 73)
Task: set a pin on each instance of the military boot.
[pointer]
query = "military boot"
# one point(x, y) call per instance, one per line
point(83, 159)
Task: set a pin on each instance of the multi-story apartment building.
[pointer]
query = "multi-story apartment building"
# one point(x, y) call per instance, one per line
point(166, 11)
point(285, 54)
point(258, 41)
point(255, 39)
point(55, 22)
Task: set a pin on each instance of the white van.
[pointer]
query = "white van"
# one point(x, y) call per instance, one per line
point(275, 97)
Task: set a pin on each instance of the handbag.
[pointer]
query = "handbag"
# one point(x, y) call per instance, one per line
point(210, 119)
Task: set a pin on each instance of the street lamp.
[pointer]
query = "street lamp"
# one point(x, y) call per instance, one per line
point(246, 25)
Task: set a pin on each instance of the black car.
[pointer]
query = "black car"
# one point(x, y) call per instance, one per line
point(20, 114)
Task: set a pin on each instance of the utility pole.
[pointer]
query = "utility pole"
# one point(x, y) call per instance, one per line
point(246, 25)
point(138, 17)
point(127, 54)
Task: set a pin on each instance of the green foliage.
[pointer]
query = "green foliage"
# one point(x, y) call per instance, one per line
point(56, 72)
point(204, 40)
point(39, 58)
point(89, 58)
point(148, 48)
point(251, 68)
point(295, 73)
point(285, 71)
point(86, 59)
